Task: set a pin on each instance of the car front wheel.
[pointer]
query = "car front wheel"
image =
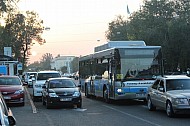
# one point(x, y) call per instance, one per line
point(79, 105)
point(169, 109)
point(151, 107)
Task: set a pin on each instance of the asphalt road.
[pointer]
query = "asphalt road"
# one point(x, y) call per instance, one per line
point(94, 112)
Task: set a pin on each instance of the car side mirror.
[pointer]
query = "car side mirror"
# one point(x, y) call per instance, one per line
point(33, 79)
point(79, 85)
point(161, 89)
point(12, 120)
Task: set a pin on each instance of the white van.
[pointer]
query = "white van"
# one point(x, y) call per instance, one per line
point(41, 77)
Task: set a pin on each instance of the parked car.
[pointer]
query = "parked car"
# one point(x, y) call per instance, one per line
point(6, 116)
point(61, 91)
point(171, 93)
point(41, 77)
point(12, 89)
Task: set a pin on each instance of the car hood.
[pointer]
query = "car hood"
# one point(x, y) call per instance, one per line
point(10, 88)
point(180, 93)
point(60, 90)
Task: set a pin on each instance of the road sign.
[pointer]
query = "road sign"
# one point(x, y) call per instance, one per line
point(19, 66)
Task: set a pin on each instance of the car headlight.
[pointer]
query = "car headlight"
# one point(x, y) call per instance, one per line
point(19, 92)
point(181, 101)
point(76, 94)
point(53, 95)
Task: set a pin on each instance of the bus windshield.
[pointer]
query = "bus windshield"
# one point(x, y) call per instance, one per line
point(138, 64)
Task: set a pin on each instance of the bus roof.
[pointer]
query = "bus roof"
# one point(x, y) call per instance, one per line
point(112, 44)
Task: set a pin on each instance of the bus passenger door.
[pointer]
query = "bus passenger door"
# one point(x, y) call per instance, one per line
point(111, 76)
point(92, 90)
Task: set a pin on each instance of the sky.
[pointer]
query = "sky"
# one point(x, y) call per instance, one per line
point(76, 26)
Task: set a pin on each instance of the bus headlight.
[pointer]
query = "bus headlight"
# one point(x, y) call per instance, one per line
point(119, 90)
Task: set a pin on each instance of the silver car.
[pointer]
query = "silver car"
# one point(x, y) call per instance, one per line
point(171, 93)
point(6, 116)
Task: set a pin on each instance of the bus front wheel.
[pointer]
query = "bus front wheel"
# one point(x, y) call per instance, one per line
point(86, 92)
point(105, 95)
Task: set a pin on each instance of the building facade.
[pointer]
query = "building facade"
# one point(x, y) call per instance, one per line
point(60, 61)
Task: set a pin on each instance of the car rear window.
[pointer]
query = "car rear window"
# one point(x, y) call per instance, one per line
point(45, 76)
point(10, 81)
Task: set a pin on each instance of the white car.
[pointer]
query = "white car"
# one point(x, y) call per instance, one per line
point(31, 80)
point(27, 76)
point(41, 77)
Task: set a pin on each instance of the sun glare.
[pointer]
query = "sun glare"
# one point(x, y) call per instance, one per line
point(34, 53)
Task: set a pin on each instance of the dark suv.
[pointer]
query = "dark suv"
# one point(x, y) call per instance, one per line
point(61, 91)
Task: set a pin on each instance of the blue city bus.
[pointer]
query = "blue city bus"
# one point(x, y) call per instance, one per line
point(120, 70)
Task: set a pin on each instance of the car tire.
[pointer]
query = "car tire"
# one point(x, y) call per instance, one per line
point(150, 105)
point(79, 105)
point(22, 104)
point(48, 106)
point(43, 102)
point(34, 98)
point(169, 109)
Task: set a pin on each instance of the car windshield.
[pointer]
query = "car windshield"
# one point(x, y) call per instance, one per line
point(61, 84)
point(45, 76)
point(9, 81)
point(178, 84)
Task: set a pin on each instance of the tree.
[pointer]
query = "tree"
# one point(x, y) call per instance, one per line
point(117, 29)
point(75, 64)
point(164, 23)
point(45, 61)
point(64, 69)
point(20, 31)
point(7, 6)
point(36, 66)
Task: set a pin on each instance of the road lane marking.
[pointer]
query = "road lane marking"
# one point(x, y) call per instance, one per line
point(144, 120)
point(80, 110)
point(31, 101)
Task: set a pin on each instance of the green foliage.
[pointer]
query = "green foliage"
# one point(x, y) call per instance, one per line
point(45, 61)
point(117, 30)
point(20, 30)
point(159, 22)
point(64, 69)
point(36, 66)
point(75, 64)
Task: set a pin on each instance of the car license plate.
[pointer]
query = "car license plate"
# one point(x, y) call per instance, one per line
point(65, 99)
point(7, 97)
point(140, 95)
